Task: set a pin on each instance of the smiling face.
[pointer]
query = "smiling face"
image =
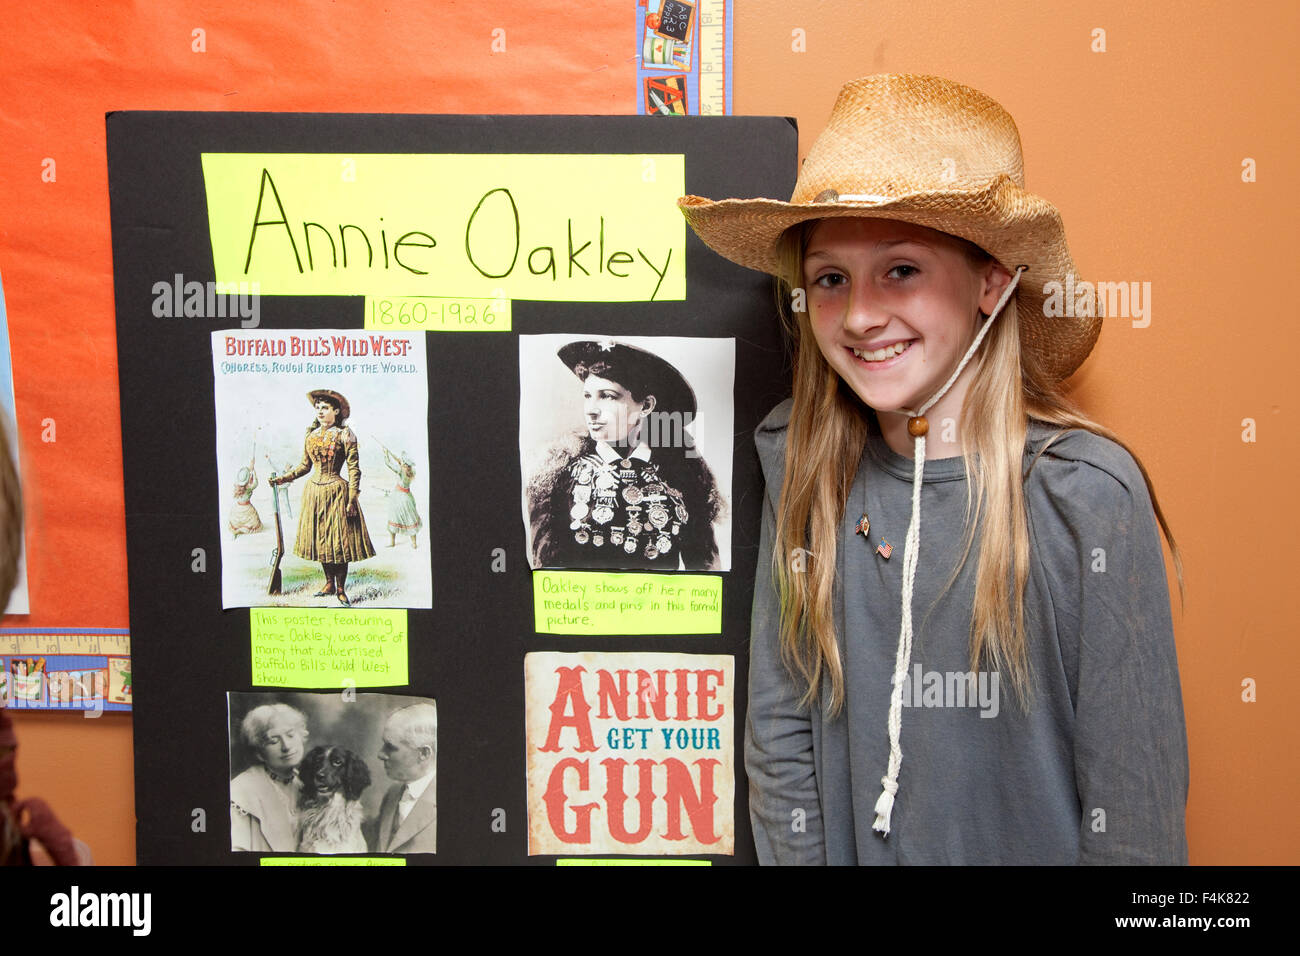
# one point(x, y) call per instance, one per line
point(893, 308)
point(326, 414)
point(281, 746)
point(613, 415)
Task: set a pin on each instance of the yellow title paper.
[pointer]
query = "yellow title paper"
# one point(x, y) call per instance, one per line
point(326, 648)
point(555, 228)
point(603, 602)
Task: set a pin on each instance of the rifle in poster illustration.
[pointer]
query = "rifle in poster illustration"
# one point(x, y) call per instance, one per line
point(278, 554)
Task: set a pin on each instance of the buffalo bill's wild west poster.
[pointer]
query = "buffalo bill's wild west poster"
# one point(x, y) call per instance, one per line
point(630, 753)
point(324, 433)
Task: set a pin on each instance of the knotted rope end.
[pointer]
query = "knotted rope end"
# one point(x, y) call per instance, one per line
point(885, 805)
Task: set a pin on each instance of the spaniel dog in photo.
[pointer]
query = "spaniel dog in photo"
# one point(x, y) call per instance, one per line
point(329, 806)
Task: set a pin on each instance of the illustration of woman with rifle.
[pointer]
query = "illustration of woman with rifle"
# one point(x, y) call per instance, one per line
point(244, 518)
point(331, 528)
point(403, 516)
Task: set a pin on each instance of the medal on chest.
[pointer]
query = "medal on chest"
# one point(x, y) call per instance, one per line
point(626, 504)
point(325, 443)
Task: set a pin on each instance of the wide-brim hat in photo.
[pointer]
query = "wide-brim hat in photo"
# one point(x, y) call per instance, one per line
point(345, 410)
point(642, 373)
point(928, 151)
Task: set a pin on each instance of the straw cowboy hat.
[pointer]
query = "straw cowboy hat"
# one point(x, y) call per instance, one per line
point(928, 151)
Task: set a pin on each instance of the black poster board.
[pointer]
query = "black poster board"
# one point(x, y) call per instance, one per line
point(466, 651)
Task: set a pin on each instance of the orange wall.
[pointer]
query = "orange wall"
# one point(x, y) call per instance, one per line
point(1140, 146)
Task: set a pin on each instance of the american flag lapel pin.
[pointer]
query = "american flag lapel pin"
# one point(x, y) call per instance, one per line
point(885, 550)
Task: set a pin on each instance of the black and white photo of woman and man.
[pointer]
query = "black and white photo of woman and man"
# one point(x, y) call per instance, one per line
point(329, 773)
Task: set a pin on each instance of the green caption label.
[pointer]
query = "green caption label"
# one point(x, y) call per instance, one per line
point(333, 861)
point(305, 647)
point(571, 862)
point(601, 602)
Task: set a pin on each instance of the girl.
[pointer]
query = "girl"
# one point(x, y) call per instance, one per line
point(962, 649)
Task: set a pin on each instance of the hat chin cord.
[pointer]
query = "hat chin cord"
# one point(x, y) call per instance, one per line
point(917, 428)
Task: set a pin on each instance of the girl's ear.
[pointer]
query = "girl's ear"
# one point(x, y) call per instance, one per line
point(994, 280)
point(648, 404)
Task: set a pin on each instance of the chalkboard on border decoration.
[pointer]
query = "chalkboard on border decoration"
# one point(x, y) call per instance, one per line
point(675, 20)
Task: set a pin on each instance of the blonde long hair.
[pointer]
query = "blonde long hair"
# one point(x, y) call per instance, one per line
point(825, 440)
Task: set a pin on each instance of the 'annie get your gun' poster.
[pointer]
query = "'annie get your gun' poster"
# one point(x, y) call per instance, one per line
point(630, 753)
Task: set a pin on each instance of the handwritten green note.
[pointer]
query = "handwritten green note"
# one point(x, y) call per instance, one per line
point(333, 861)
point(604, 602)
point(320, 647)
point(579, 862)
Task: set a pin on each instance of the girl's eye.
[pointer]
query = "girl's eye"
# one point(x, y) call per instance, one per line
point(830, 280)
point(907, 272)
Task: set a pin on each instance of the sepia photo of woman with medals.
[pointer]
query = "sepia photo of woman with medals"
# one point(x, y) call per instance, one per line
point(627, 490)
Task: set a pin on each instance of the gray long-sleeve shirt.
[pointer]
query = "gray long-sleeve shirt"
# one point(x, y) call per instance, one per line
point(1094, 771)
